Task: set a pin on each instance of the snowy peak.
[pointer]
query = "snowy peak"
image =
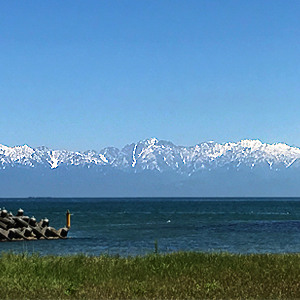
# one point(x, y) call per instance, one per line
point(151, 141)
point(162, 156)
point(30, 157)
point(20, 155)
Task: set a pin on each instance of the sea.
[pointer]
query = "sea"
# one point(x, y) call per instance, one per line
point(139, 226)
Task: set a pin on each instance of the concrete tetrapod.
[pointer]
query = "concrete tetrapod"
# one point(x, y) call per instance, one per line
point(20, 227)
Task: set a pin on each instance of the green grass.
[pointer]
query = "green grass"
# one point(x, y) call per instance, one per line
point(181, 275)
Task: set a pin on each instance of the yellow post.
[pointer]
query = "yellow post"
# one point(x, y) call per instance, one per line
point(68, 216)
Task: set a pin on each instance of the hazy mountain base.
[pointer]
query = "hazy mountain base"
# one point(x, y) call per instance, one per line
point(106, 181)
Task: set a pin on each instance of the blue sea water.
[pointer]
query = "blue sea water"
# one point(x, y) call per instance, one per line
point(131, 226)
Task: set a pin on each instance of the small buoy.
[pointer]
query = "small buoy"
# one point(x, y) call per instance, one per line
point(68, 219)
point(169, 221)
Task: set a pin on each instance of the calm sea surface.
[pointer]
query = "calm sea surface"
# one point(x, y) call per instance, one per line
point(130, 226)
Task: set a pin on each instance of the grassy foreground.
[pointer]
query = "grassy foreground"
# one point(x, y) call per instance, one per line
point(182, 275)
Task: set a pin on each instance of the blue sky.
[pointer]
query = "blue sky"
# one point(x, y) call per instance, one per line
point(81, 75)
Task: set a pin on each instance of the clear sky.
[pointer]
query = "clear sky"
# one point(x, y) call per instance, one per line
point(88, 74)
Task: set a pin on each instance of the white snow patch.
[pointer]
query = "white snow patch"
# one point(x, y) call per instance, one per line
point(103, 158)
point(133, 156)
point(54, 163)
point(291, 163)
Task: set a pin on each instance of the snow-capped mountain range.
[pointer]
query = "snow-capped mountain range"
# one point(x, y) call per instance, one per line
point(153, 168)
point(162, 156)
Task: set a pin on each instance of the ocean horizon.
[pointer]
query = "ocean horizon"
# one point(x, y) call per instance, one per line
point(131, 226)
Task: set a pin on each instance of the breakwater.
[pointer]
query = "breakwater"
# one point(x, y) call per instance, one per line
point(20, 227)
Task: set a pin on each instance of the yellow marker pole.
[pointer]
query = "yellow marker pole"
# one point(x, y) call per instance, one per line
point(68, 217)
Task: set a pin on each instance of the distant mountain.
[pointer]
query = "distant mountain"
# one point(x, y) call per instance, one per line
point(152, 167)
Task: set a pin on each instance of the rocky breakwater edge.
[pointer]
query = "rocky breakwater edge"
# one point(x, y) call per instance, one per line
point(20, 227)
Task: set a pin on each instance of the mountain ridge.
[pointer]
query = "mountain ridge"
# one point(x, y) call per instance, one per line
point(153, 168)
point(150, 154)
